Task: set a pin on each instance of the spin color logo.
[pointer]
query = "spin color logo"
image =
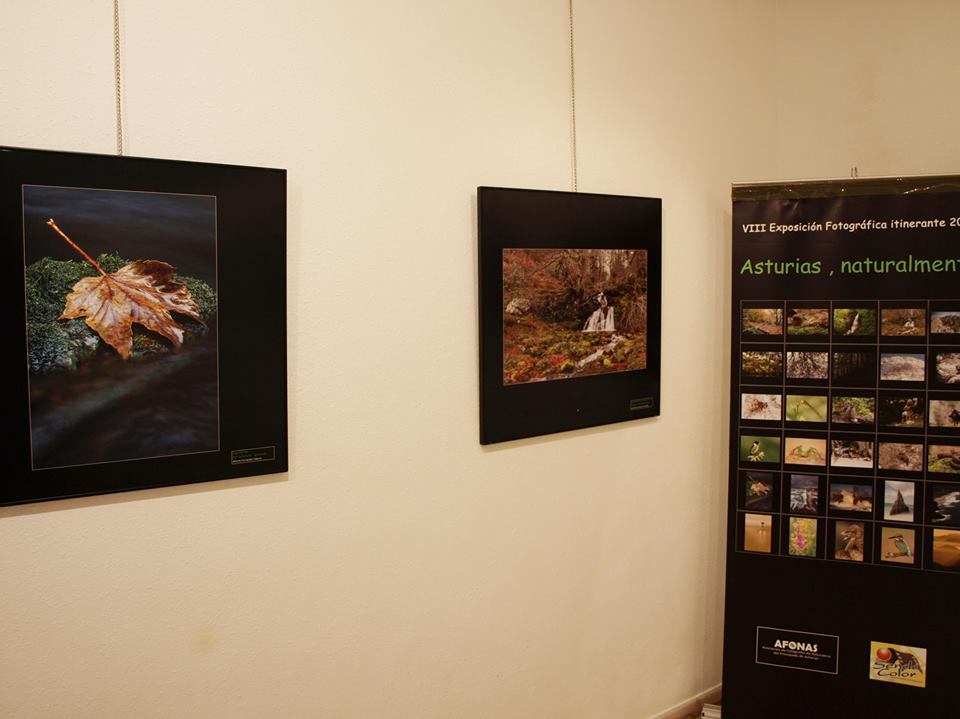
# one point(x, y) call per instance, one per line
point(898, 664)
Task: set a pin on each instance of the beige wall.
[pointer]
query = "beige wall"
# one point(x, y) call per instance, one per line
point(870, 84)
point(399, 569)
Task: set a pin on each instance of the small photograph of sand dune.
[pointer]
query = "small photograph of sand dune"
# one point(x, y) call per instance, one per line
point(946, 548)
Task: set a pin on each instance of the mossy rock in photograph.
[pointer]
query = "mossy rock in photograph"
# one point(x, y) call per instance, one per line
point(54, 344)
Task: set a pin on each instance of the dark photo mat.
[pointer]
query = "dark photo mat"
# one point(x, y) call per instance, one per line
point(531, 219)
point(250, 252)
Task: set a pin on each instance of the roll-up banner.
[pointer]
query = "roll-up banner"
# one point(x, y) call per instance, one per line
point(843, 550)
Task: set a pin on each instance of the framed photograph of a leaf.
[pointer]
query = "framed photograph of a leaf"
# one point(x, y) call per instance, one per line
point(569, 311)
point(146, 322)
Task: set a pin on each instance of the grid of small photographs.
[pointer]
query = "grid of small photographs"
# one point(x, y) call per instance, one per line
point(849, 432)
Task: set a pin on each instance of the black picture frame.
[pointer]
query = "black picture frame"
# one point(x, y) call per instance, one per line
point(510, 218)
point(245, 336)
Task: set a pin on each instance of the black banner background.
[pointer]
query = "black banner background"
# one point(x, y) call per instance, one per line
point(859, 602)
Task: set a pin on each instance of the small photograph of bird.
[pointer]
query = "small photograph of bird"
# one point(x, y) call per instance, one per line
point(901, 546)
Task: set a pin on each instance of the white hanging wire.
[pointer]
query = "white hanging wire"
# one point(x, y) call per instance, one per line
point(116, 73)
point(573, 104)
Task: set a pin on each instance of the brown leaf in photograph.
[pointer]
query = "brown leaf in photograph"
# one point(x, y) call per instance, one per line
point(143, 292)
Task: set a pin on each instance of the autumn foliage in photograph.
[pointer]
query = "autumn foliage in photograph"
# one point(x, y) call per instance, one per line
point(143, 292)
point(573, 312)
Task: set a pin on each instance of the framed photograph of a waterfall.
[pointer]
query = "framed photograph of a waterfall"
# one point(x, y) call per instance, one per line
point(146, 326)
point(569, 311)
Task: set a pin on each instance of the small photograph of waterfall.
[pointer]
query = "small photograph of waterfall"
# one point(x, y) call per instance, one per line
point(854, 322)
point(121, 308)
point(573, 312)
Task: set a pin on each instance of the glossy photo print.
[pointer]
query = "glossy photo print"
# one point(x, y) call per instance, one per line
point(573, 312)
point(121, 304)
